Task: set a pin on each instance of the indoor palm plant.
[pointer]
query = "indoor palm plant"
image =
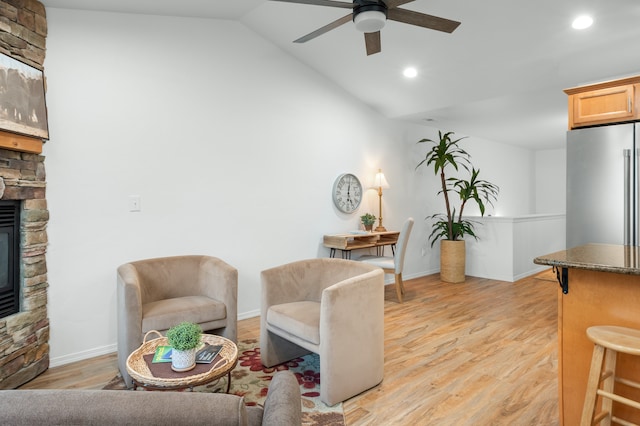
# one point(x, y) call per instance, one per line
point(450, 227)
point(184, 339)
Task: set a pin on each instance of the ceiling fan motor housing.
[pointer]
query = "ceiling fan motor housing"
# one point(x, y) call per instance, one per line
point(369, 17)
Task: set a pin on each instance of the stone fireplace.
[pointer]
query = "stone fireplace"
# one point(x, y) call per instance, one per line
point(24, 336)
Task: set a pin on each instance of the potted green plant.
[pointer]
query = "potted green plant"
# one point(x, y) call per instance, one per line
point(451, 227)
point(184, 338)
point(368, 220)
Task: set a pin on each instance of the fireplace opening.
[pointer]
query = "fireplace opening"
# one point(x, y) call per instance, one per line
point(9, 257)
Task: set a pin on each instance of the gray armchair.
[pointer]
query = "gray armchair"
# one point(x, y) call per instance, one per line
point(332, 307)
point(156, 294)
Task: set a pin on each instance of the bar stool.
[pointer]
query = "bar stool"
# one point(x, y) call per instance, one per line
point(609, 340)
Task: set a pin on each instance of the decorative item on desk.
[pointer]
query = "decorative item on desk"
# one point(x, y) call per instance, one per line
point(449, 228)
point(368, 220)
point(380, 182)
point(184, 338)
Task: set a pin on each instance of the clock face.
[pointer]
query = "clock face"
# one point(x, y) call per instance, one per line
point(347, 193)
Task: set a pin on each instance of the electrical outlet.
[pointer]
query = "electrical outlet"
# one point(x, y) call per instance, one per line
point(134, 203)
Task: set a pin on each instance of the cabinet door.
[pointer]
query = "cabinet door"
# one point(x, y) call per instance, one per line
point(610, 105)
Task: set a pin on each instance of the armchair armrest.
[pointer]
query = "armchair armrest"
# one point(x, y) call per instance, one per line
point(352, 314)
point(352, 322)
point(129, 315)
point(282, 406)
point(219, 280)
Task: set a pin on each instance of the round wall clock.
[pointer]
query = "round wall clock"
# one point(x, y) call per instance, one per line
point(347, 193)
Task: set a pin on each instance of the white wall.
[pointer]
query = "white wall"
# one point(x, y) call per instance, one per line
point(233, 147)
point(506, 246)
point(551, 181)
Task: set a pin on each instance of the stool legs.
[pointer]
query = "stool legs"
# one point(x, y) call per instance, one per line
point(592, 386)
point(607, 384)
point(608, 379)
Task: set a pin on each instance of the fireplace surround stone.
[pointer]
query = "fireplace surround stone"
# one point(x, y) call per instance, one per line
point(24, 336)
point(24, 347)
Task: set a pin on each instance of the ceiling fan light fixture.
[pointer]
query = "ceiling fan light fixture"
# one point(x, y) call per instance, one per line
point(370, 18)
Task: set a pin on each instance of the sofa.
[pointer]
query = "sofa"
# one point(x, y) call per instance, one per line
point(123, 407)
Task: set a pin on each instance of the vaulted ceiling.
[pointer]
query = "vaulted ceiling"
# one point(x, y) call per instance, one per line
point(498, 76)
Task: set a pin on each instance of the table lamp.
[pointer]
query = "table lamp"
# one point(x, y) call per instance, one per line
point(380, 182)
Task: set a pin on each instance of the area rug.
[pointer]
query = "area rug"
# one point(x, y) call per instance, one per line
point(251, 380)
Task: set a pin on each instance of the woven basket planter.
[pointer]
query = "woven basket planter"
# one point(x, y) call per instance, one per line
point(452, 261)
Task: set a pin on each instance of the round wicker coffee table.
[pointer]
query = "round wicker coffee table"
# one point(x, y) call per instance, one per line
point(140, 368)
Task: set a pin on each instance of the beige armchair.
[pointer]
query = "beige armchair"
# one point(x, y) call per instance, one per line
point(156, 294)
point(332, 307)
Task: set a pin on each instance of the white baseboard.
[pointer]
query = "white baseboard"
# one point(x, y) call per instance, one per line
point(104, 350)
point(250, 314)
point(80, 356)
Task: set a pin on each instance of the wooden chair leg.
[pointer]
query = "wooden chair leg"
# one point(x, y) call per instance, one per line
point(399, 287)
point(401, 283)
point(607, 385)
point(592, 386)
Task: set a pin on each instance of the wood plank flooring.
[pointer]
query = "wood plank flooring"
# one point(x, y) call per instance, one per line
point(483, 352)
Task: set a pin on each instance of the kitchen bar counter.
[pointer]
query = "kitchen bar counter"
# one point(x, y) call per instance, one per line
point(600, 285)
point(596, 257)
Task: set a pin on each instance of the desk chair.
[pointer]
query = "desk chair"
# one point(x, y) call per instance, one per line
point(395, 264)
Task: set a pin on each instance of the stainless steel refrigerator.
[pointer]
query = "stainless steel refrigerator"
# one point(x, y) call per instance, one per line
point(602, 185)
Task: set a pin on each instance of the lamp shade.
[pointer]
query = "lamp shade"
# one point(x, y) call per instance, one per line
point(370, 21)
point(380, 181)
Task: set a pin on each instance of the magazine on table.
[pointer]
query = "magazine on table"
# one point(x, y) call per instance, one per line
point(162, 354)
point(208, 353)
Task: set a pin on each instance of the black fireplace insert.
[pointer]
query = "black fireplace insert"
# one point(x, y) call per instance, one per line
point(9, 257)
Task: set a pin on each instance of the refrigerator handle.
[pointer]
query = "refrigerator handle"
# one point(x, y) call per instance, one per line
point(627, 197)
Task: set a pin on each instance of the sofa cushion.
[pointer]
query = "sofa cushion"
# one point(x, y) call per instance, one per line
point(301, 319)
point(164, 314)
point(115, 407)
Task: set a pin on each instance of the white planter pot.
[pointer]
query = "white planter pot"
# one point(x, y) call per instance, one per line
point(183, 360)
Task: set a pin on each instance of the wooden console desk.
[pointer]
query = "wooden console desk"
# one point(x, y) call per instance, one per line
point(348, 242)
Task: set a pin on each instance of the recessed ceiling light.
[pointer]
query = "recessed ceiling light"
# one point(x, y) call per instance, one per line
point(582, 22)
point(410, 72)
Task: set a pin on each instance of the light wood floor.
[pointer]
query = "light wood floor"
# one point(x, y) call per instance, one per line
point(479, 353)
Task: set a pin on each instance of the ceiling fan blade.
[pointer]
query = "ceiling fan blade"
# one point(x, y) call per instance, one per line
point(326, 28)
point(372, 42)
point(395, 3)
point(422, 20)
point(330, 3)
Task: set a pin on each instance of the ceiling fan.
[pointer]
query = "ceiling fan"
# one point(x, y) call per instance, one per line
point(369, 16)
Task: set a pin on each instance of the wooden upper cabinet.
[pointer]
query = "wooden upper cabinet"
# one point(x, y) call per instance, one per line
point(609, 102)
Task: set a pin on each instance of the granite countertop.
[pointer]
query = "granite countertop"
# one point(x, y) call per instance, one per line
point(596, 257)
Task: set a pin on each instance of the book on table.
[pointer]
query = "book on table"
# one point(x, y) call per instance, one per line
point(207, 354)
point(162, 354)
